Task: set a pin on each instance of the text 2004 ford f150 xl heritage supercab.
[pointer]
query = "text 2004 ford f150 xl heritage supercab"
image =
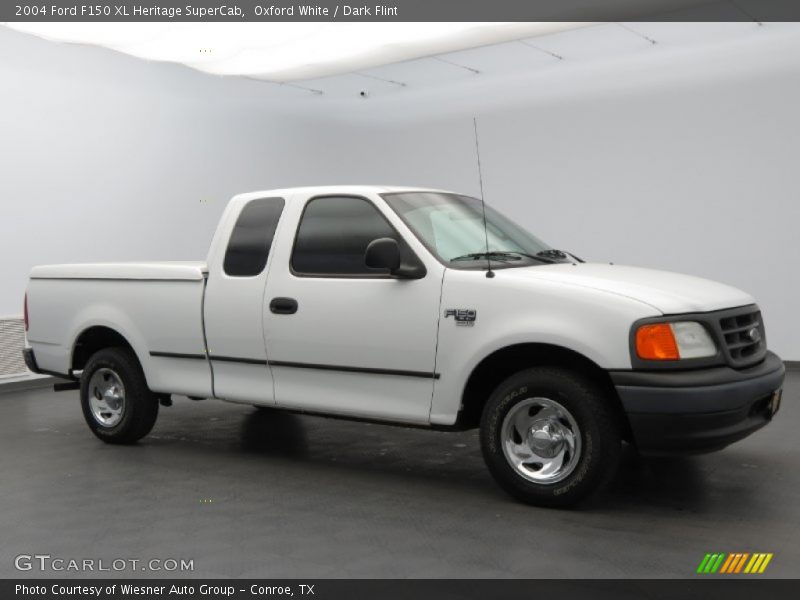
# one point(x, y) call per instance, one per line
point(376, 303)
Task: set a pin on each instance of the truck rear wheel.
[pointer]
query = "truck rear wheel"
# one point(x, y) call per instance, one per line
point(117, 404)
point(549, 437)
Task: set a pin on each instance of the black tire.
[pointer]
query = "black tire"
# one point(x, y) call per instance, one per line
point(597, 424)
point(140, 407)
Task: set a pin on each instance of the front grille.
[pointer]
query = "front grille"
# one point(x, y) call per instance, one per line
point(743, 336)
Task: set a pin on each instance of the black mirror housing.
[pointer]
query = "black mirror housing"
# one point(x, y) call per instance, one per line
point(383, 253)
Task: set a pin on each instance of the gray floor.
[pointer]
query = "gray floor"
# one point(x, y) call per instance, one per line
point(248, 494)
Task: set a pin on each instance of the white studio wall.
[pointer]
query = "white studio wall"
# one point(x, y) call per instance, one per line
point(682, 159)
point(107, 157)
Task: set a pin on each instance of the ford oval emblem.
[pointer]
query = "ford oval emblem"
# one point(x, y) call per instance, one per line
point(754, 335)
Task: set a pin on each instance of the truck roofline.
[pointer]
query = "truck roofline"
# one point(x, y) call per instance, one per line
point(335, 189)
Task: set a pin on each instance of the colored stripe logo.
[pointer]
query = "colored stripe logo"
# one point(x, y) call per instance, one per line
point(734, 563)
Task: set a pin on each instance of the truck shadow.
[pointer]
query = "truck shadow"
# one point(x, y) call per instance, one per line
point(273, 432)
point(453, 460)
point(669, 482)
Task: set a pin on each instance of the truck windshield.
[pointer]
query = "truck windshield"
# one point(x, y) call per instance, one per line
point(451, 226)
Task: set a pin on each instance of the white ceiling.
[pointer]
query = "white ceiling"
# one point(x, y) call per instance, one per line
point(283, 52)
point(556, 60)
point(543, 54)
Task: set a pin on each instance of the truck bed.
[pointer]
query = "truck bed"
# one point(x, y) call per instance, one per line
point(166, 270)
point(156, 307)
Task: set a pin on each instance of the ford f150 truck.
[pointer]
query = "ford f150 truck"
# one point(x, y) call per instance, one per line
point(414, 307)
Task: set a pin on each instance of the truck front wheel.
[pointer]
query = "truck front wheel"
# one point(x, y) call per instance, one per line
point(549, 436)
point(117, 404)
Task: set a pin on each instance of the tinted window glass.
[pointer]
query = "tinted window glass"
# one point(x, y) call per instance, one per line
point(333, 235)
point(251, 238)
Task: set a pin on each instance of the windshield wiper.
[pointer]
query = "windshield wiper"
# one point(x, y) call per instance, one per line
point(558, 255)
point(500, 256)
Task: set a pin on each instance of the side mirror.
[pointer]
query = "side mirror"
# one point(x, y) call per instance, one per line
point(384, 253)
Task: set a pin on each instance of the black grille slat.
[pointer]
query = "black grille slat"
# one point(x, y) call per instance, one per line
point(744, 328)
point(734, 346)
point(739, 345)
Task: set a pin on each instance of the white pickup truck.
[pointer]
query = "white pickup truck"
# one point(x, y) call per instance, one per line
point(383, 304)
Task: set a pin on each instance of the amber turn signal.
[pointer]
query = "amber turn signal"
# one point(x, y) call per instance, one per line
point(656, 342)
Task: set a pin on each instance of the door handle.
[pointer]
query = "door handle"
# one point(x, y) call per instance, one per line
point(283, 306)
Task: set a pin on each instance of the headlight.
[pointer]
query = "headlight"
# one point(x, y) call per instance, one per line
point(674, 341)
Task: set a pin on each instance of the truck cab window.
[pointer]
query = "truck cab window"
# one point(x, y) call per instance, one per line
point(251, 239)
point(333, 235)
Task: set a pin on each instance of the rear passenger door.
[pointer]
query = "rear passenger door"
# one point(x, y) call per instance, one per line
point(233, 304)
point(343, 338)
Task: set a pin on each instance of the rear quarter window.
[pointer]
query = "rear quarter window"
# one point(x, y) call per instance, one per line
point(251, 238)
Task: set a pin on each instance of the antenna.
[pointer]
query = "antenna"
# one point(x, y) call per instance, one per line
point(489, 272)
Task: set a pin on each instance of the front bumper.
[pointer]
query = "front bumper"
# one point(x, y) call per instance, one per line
point(678, 412)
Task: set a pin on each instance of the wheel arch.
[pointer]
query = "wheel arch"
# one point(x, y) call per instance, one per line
point(93, 339)
point(504, 362)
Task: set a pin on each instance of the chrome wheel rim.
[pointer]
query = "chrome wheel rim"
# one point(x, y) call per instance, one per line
point(541, 440)
point(106, 397)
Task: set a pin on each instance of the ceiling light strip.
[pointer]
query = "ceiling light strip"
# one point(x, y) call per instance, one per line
point(375, 77)
point(454, 64)
point(637, 33)
point(299, 87)
point(548, 52)
point(282, 84)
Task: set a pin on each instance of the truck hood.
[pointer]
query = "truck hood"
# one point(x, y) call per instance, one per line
point(670, 293)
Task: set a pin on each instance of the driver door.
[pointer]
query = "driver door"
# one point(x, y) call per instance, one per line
point(341, 337)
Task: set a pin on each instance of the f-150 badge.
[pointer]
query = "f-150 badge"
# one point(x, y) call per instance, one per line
point(462, 316)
